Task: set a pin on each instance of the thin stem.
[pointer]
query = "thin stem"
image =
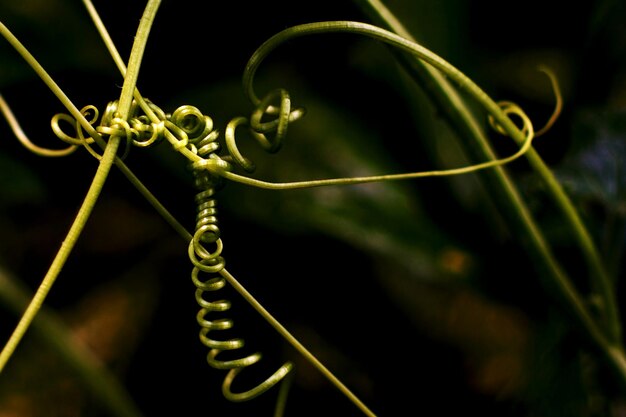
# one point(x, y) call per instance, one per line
point(467, 127)
point(5, 109)
point(110, 45)
point(539, 244)
point(115, 55)
point(50, 83)
point(66, 248)
point(376, 178)
point(83, 213)
point(99, 179)
point(104, 34)
point(559, 100)
point(283, 393)
point(294, 342)
point(136, 55)
point(231, 279)
point(152, 200)
point(469, 86)
point(119, 62)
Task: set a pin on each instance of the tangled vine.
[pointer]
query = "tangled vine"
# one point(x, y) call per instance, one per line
point(191, 133)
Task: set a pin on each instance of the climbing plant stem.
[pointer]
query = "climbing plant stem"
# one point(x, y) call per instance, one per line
point(300, 348)
point(136, 56)
point(99, 179)
point(467, 126)
point(66, 248)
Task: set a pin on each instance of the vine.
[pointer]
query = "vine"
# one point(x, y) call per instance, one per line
point(133, 121)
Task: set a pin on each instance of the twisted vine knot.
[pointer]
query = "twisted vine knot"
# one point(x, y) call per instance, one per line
point(187, 128)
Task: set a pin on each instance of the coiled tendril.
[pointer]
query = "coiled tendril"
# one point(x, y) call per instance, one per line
point(187, 129)
point(191, 132)
point(208, 263)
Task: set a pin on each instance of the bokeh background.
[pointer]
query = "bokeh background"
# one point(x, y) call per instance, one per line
point(417, 294)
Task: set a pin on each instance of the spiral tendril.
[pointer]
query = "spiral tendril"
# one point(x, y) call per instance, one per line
point(209, 262)
point(187, 129)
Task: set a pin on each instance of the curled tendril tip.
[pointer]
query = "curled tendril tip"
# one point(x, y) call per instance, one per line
point(509, 108)
point(23, 138)
point(558, 106)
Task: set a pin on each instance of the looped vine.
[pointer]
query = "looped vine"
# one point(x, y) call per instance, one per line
point(191, 133)
point(268, 134)
point(187, 129)
point(209, 263)
point(137, 130)
point(509, 108)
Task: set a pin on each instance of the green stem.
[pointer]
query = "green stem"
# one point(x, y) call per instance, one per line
point(467, 126)
point(132, 178)
point(50, 83)
point(295, 342)
point(230, 278)
point(117, 58)
point(538, 243)
point(589, 249)
point(99, 179)
point(136, 55)
point(64, 252)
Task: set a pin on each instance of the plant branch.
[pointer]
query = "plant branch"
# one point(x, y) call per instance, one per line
point(466, 126)
point(66, 248)
point(99, 179)
point(295, 342)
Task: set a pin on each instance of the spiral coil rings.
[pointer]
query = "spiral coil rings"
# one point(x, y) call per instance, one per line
point(208, 264)
point(187, 128)
point(137, 130)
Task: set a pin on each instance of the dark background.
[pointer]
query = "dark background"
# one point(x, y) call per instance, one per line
point(417, 294)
